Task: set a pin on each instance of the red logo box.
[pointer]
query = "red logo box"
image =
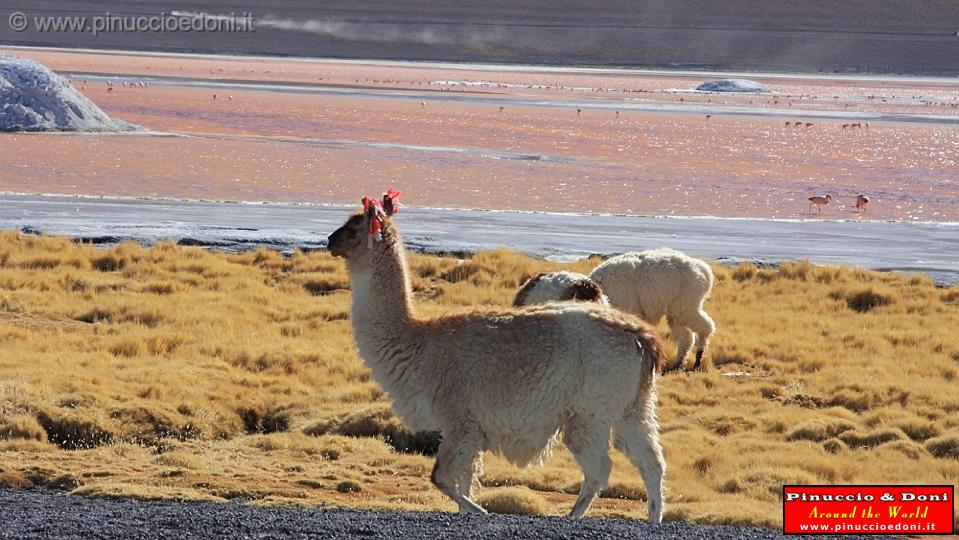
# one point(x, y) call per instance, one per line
point(892, 510)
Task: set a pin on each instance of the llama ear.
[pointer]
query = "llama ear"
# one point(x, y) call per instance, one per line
point(367, 207)
point(586, 290)
point(390, 203)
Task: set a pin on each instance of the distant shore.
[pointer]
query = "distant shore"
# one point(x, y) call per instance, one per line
point(907, 247)
point(881, 36)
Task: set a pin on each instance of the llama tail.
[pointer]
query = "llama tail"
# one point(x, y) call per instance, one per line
point(710, 279)
point(651, 348)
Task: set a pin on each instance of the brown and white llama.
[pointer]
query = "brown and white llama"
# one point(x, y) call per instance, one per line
point(506, 380)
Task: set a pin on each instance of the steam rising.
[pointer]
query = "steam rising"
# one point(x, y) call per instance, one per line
point(469, 36)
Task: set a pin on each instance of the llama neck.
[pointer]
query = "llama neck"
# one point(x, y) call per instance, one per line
point(386, 334)
point(381, 309)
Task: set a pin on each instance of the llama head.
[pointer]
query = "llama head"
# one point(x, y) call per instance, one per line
point(584, 290)
point(559, 286)
point(367, 230)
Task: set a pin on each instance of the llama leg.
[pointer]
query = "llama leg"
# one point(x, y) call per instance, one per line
point(704, 327)
point(684, 342)
point(639, 441)
point(590, 446)
point(453, 461)
point(464, 484)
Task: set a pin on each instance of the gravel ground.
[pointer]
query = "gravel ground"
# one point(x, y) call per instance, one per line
point(40, 513)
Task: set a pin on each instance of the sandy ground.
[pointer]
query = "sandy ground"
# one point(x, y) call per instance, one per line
point(525, 139)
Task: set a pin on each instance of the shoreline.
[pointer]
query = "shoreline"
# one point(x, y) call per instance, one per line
point(886, 246)
point(347, 206)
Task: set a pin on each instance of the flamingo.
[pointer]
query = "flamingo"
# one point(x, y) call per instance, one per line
point(819, 201)
point(861, 202)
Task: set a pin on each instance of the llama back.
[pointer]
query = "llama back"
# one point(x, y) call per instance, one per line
point(654, 283)
point(648, 340)
point(524, 386)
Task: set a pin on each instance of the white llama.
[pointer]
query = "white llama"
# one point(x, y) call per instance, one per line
point(504, 380)
point(652, 284)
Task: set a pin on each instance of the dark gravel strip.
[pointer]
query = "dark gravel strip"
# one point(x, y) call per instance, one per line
point(42, 513)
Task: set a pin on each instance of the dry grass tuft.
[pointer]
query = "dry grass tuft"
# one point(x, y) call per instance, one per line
point(834, 446)
point(766, 483)
point(22, 427)
point(513, 500)
point(180, 459)
point(348, 486)
point(946, 447)
point(64, 482)
point(919, 430)
point(259, 419)
point(378, 421)
point(909, 449)
point(865, 300)
point(144, 492)
point(819, 429)
point(633, 490)
point(14, 480)
point(855, 439)
point(143, 424)
point(71, 431)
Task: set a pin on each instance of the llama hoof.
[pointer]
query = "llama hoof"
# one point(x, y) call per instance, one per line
point(656, 515)
point(469, 510)
point(699, 360)
point(676, 367)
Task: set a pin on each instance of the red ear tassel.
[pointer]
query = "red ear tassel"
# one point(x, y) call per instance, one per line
point(390, 204)
point(376, 220)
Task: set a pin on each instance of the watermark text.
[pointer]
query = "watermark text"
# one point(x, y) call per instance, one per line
point(175, 21)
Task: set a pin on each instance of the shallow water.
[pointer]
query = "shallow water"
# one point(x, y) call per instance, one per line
point(928, 248)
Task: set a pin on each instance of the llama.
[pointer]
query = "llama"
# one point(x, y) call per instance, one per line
point(506, 380)
point(559, 286)
point(651, 284)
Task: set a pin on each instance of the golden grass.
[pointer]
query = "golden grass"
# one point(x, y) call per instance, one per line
point(513, 500)
point(173, 372)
